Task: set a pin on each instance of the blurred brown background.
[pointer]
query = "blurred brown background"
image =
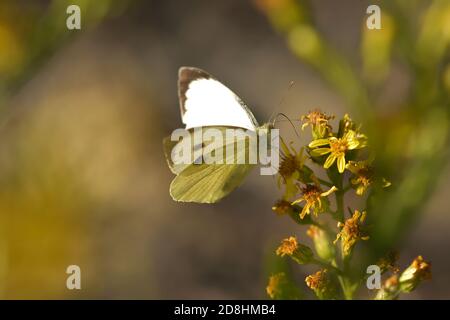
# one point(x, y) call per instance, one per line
point(83, 179)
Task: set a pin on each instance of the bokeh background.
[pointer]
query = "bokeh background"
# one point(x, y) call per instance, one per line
point(83, 179)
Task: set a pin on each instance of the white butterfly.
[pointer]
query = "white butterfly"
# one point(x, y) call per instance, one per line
point(205, 102)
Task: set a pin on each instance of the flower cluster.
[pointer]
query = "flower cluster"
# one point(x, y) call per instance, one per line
point(316, 178)
point(418, 271)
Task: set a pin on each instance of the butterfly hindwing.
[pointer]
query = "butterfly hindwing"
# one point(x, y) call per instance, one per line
point(208, 183)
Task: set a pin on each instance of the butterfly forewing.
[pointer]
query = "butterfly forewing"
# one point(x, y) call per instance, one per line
point(204, 101)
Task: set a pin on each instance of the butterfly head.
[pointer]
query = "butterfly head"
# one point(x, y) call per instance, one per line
point(268, 126)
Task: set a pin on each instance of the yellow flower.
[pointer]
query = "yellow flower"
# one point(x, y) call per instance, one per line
point(351, 232)
point(319, 123)
point(282, 207)
point(321, 283)
point(287, 247)
point(316, 280)
point(291, 168)
point(312, 195)
point(337, 147)
point(276, 281)
point(418, 271)
point(300, 253)
point(364, 176)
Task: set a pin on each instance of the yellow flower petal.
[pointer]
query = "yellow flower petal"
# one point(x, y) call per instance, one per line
point(329, 161)
point(350, 134)
point(318, 143)
point(341, 163)
point(298, 201)
point(363, 216)
point(320, 151)
point(330, 191)
point(305, 211)
point(319, 207)
point(385, 183)
point(352, 144)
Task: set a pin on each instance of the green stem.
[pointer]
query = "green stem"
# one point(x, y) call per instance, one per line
point(340, 206)
point(327, 265)
point(339, 194)
point(342, 282)
point(347, 286)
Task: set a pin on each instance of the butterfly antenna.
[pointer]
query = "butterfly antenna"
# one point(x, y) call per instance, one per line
point(282, 100)
point(290, 121)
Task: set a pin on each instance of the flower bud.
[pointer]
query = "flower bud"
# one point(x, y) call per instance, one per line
point(276, 282)
point(390, 289)
point(282, 207)
point(280, 287)
point(319, 122)
point(322, 243)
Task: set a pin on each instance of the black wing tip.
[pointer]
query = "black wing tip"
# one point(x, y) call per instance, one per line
point(192, 73)
point(185, 76)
